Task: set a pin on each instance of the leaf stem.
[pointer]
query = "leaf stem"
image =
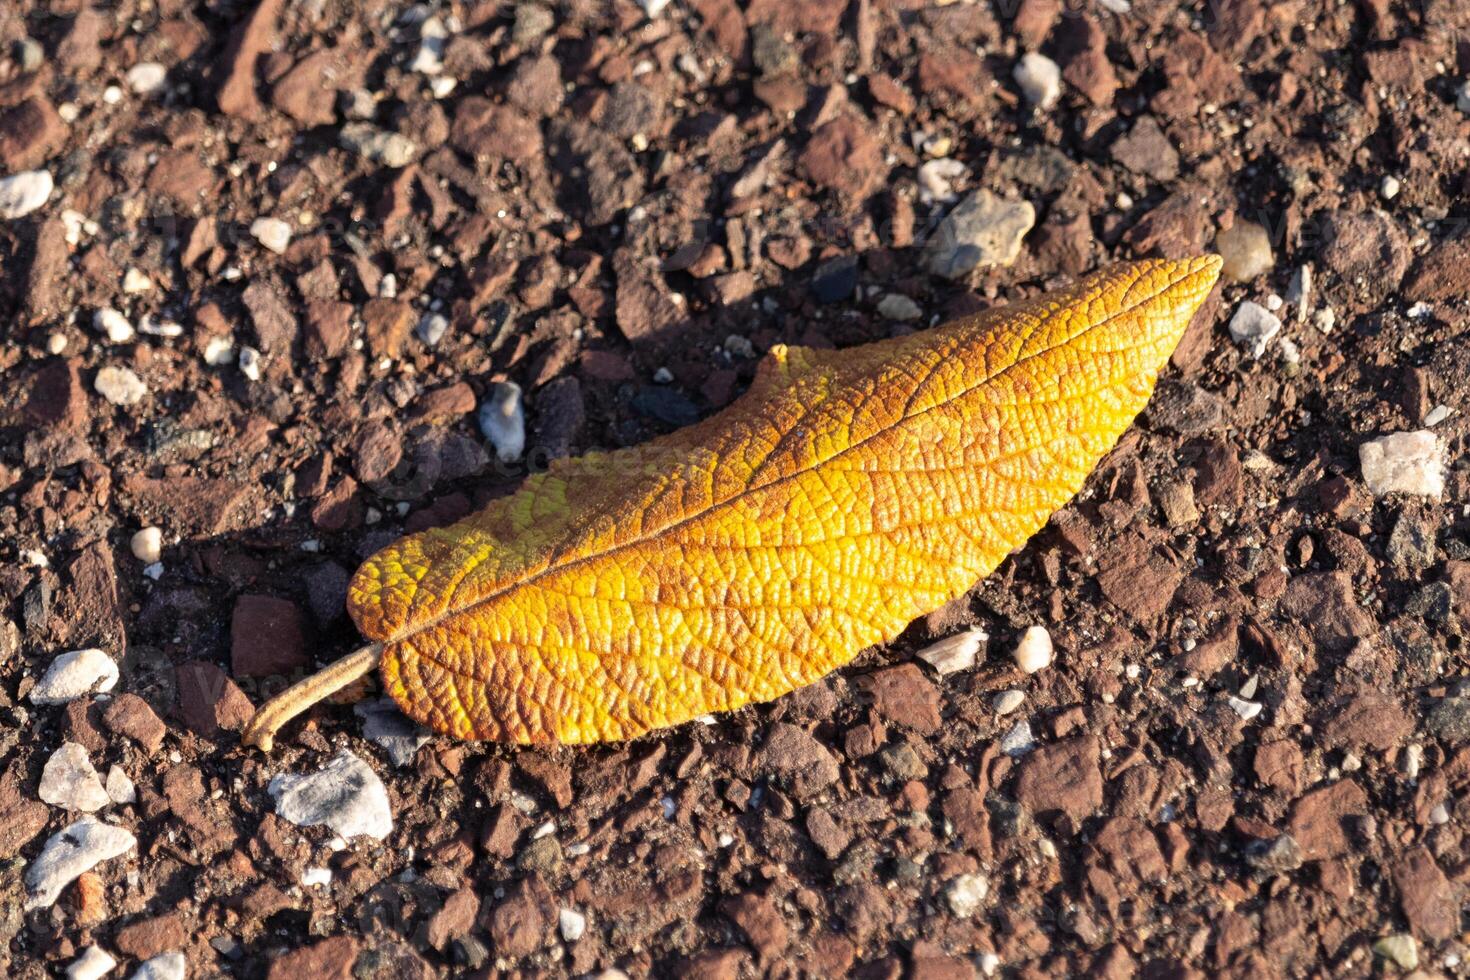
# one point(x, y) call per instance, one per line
point(262, 728)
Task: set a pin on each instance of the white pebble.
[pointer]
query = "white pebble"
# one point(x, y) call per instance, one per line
point(147, 545)
point(113, 324)
point(1404, 462)
point(1462, 97)
point(653, 7)
point(1034, 652)
point(1246, 709)
point(966, 893)
point(93, 964)
point(503, 420)
point(70, 781)
point(1389, 188)
point(146, 78)
point(1437, 414)
point(937, 179)
point(345, 794)
point(955, 653)
point(250, 363)
point(158, 327)
point(24, 192)
point(70, 853)
point(1040, 80)
point(74, 674)
point(218, 351)
point(573, 924)
point(1324, 319)
point(1007, 701)
point(120, 386)
point(136, 281)
point(1253, 326)
point(164, 966)
point(316, 876)
point(56, 344)
point(272, 233)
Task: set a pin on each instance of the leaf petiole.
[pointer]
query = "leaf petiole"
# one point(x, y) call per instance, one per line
point(262, 728)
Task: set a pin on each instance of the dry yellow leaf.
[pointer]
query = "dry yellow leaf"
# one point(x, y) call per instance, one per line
point(741, 558)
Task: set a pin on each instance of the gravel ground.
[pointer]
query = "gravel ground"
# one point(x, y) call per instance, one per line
point(261, 266)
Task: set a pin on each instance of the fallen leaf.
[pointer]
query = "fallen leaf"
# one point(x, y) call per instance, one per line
point(738, 559)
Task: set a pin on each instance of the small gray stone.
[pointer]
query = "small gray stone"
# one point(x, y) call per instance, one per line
point(391, 730)
point(77, 849)
point(1019, 740)
point(982, 230)
point(503, 420)
point(70, 781)
point(377, 145)
point(896, 306)
point(1277, 856)
point(1185, 408)
point(1410, 543)
point(1007, 701)
point(345, 795)
point(1449, 720)
point(1253, 326)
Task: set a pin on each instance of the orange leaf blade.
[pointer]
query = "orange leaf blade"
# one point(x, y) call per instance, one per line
point(738, 559)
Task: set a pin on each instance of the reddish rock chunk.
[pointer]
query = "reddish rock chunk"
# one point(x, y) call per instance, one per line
point(328, 328)
point(209, 700)
point(57, 399)
point(1377, 721)
point(149, 937)
point(1139, 579)
point(1426, 896)
point(846, 157)
point(1131, 850)
point(1281, 766)
point(30, 134)
point(1324, 603)
point(521, 923)
point(1064, 776)
point(267, 637)
point(1441, 274)
point(378, 450)
point(329, 959)
point(386, 324)
point(1318, 819)
point(1368, 249)
point(127, 714)
point(904, 696)
point(454, 920)
point(798, 759)
point(252, 38)
point(445, 404)
point(760, 921)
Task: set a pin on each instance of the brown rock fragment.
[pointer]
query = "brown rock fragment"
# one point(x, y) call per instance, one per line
point(1062, 777)
point(236, 95)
